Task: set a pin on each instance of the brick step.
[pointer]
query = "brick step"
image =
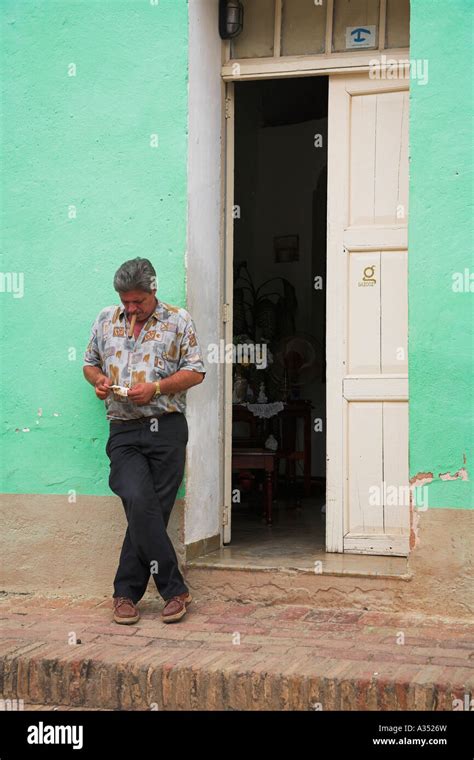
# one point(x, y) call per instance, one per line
point(228, 656)
point(17, 705)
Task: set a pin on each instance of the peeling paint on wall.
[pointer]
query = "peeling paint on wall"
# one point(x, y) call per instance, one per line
point(424, 478)
point(421, 479)
point(462, 473)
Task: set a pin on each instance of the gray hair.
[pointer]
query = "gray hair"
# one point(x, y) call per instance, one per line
point(135, 274)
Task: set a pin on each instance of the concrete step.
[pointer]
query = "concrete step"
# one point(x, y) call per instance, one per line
point(230, 656)
point(382, 584)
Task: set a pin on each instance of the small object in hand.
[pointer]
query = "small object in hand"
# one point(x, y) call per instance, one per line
point(132, 325)
point(120, 390)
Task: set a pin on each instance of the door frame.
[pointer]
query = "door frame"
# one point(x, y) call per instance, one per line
point(344, 65)
point(227, 305)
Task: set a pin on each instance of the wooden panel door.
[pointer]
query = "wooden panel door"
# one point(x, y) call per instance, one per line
point(367, 363)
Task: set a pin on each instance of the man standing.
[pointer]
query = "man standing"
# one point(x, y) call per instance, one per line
point(141, 359)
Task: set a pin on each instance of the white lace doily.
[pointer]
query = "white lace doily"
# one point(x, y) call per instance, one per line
point(265, 410)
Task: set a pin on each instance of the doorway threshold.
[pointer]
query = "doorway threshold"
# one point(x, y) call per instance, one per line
point(264, 558)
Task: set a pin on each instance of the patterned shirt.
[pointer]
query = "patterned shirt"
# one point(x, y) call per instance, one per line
point(166, 343)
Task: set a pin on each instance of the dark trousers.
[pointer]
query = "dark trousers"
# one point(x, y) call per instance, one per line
point(146, 470)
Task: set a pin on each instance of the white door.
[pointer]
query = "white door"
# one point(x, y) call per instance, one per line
point(367, 365)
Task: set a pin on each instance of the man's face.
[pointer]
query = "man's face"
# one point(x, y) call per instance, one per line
point(138, 302)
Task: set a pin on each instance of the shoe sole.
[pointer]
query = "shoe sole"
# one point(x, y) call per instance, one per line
point(126, 621)
point(177, 615)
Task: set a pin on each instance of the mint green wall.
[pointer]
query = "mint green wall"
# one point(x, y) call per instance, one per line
point(441, 348)
point(85, 141)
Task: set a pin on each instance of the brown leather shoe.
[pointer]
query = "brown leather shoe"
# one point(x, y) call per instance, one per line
point(175, 607)
point(125, 610)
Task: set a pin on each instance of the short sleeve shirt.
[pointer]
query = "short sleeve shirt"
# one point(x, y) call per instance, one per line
point(167, 343)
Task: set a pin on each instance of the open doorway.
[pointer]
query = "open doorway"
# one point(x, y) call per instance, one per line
point(279, 317)
point(362, 290)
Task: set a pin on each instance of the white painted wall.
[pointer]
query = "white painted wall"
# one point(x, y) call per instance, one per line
point(204, 404)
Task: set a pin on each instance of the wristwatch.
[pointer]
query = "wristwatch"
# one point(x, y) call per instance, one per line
point(157, 389)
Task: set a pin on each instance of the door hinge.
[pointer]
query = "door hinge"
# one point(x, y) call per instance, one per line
point(225, 312)
point(227, 107)
point(225, 515)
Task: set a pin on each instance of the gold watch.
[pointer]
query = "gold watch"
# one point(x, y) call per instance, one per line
point(157, 389)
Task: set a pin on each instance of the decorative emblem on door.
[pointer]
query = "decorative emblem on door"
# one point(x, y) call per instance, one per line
point(368, 280)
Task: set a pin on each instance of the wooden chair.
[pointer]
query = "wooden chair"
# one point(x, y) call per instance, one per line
point(248, 453)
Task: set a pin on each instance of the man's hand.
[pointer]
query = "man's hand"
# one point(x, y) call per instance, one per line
point(142, 393)
point(102, 387)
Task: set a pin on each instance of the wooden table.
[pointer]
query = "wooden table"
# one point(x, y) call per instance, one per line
point(292, 411)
